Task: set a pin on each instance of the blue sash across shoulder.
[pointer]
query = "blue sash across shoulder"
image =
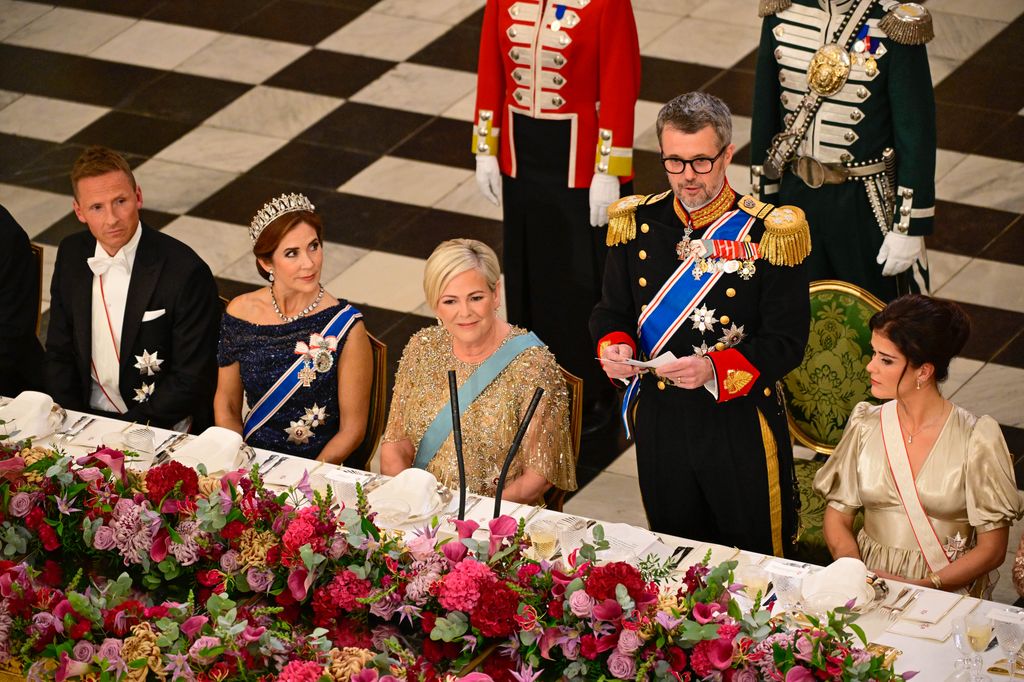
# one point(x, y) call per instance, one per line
point(439, 429)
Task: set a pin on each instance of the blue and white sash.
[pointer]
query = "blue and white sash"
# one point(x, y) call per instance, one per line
point(675, 301)
point(286, 385)
point(439, 429)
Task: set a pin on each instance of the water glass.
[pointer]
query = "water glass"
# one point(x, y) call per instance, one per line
point(1010, 634)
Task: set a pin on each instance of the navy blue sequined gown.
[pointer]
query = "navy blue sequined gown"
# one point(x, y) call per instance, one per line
point(264, 353)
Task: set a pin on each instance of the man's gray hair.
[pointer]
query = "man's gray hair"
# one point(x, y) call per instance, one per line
point(693, 111)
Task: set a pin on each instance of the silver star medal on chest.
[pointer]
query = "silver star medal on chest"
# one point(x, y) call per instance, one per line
point(148, 363)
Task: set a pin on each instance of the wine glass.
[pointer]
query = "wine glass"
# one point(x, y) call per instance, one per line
point(971, 634)
point(1010, 635)
point(544, 538)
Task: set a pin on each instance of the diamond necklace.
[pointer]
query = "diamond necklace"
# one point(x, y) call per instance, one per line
point(302, 313)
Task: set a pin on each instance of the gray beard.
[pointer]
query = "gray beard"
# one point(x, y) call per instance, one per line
point(712, 198)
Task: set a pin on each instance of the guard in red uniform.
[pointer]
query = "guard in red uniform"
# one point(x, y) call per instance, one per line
point(556, 90)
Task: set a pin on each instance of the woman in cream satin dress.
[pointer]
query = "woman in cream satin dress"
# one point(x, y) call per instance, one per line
point(957, 464)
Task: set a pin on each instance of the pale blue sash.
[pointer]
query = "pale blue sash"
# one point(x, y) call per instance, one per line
point(438, 431)
point(288, 383)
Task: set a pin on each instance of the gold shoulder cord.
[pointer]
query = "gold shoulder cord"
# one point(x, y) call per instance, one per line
point(767, 7)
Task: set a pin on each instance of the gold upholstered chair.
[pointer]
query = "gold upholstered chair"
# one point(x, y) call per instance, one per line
point(555, 497)
point(377, 417)
point(822, 392)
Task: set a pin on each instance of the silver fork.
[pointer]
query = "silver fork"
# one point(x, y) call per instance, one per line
point(72, 433)
point(896, 610)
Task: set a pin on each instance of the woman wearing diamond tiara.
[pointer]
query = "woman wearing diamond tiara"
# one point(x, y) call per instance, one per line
point(935, 482)
point(498, 367)
point(300, 357)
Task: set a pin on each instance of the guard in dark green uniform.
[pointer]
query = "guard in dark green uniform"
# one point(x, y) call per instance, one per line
point(844, 128)
point(717, 280)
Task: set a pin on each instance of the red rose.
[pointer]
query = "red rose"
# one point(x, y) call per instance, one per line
point(527, 571)
point(588, 647)
point(676, 658)
point(427, 621)
point(209, 578)
point(232, 530)
point(556, 608)
point(433, 651)
point(34, 518)
point(500, 668)
point(52, 573)
point(80, 629)
point(49, 538)
point(156, 612)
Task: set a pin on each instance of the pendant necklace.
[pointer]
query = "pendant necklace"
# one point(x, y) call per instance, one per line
point(302, 313)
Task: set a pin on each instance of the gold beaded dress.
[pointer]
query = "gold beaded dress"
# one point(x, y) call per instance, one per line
point(490, 423)
point(966, 486)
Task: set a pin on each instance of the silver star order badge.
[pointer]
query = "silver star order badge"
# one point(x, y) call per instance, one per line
point(704, 320)
point(701, 350)
point(299, 433)
point(143, 394)
point(733, 335)
point(148, 363)
point(315, 416)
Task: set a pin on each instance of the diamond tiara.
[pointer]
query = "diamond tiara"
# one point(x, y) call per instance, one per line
point(275, 208)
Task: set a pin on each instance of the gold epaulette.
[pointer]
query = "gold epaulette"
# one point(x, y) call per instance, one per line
point(908, 23)
point(787, 237)
point(766, 7)
point(622, 220)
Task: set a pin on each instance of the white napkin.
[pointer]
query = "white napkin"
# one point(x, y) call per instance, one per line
point(415, 487)
point(839, 582)
point(216, 447)
point(29, 414)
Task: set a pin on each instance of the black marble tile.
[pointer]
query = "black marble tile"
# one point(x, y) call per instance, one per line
point(748, 63)
point(70, 77)
point(51, 171)
point(992, 328)
point(184, 97)
point(229, 288)
point(365, 128)
point(965, 129)
point(1008, 247)
point(650, 174)
point(663, 79)
point(156, 219)
point(303, 163)
point(132, 133)
point(457, 49)
point(980, 85)
point(966, 230)
point(65, 227)
point(736, 88)
point(742, 155)
point(1012, 354)
point(237, 201)
point(444, 141)
point(297, 22)
point(422, 235)
point(1006, 141)
point(131, 8)
point(364, 222)
point(330, 73)
point(217, 16)
point(16, 152)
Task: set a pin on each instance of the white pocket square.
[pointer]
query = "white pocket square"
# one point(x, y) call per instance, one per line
point(151, 315)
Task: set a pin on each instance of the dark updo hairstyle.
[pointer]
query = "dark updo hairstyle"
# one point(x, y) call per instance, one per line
point(925, 329)
point(271, 236)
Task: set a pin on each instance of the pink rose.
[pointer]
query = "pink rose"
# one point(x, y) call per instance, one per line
point(259, 581)
point(20, 505)
point(110, 649)
point(83, 651)
point(629, 641)
point(621, 666)
point(799, 674)
point(581, 604)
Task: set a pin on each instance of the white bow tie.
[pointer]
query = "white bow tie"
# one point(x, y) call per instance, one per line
point(100, 264)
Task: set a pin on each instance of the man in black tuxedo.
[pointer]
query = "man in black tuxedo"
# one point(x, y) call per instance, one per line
point(21, 356)
point(134, 313)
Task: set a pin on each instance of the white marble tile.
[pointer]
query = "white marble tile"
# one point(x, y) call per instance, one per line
point(466, 198)
point(996, 390)
point(49, 261)
point(70, 30)
point(384, 36)
point(8, 96)
point(225, 150)
point(739, 178)
point(240, 58)
point(414, 87)
point(47, 119)
point(678, 8)
point(946, 161)
point(177, 188)
point(385, 280)
point(987, 282)
point(941, 67)
point(464, 109)
point(624, 464)
point(15, 14)
point(274, 111)
point(443, 11)
point(743, 12)
point(610, 497)
point(35, 210)
point(218, 243)
point(407, 181)
point(1000, 10)
point(741, 130)
point(958, 36)
point(700, 41)
point(337, 259)
point(155, 44)
point(943, 266)
point(650, 25)
point(960, 372)
point(984, 181)
point(645, 118)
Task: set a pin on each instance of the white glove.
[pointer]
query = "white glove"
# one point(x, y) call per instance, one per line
point(604, 191)
point(488, 178)
point(898, 252)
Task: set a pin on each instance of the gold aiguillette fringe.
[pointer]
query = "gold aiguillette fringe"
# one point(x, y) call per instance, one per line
point(622, 220)
point(787, 238)
point(908, 24)
point(767, 7)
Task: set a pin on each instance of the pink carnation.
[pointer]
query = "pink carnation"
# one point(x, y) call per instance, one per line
point(460, 589)
point(301, 671)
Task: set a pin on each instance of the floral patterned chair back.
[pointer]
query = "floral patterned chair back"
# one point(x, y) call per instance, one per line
point(822, 392)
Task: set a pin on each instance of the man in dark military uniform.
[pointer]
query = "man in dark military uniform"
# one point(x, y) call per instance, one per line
point(844, 128)
point(717, 280)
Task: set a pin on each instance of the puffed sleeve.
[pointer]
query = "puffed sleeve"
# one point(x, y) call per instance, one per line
point(992, 497)
point(227, 346)
point(837, 481)
point(547, 446)
point(395, 429)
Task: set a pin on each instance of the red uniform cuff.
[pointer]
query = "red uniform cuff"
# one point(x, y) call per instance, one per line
point(613, 338)
point(734, 374)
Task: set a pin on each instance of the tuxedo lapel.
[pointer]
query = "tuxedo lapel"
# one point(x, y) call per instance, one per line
point(145, 274)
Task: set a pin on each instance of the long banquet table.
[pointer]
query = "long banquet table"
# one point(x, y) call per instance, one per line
point(934, 660)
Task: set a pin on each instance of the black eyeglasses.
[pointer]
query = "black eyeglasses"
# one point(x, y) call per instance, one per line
point(701, 165)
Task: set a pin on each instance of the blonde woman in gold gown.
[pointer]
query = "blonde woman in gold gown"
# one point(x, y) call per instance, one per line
point(935, 482)
point(461, 285)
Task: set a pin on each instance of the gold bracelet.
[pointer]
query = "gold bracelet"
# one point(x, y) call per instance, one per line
point(936, 580)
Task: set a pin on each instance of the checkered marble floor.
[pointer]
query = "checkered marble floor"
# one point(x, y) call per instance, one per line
point(366, 106)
